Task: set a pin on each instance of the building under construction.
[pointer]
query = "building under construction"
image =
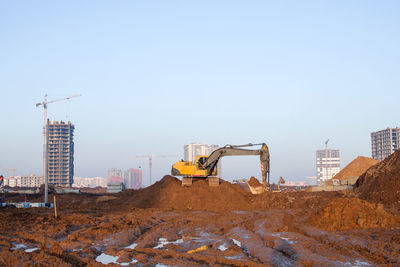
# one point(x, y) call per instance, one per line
point(384, 143)
point(61, 153)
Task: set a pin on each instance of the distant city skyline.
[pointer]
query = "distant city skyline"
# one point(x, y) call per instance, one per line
point(157, 75)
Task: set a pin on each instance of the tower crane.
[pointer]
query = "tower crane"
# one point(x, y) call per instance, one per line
point(45, 125)
point(150, 157)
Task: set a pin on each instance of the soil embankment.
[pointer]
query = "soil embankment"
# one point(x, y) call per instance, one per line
point(381, 182)
point(355, 168)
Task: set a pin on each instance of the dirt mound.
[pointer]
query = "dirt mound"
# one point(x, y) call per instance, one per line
point(381, 182)
point(169, 194)
point(355, 168)
point(352, 213)
point(254, 182)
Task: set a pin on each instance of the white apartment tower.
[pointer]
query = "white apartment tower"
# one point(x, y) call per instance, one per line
point(192, 151)
point(61, 153)
point(384, 143)
point(328, 164)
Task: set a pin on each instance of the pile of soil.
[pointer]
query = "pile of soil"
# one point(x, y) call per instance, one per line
point(169, 194)
point(254, 182)
point(381, 182)
point(355, 168)
point(352, 213)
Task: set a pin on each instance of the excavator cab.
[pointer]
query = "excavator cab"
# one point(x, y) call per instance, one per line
point(201, 160)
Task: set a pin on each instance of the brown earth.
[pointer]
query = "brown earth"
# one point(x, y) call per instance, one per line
point(166, 220)
point(353, 213)
point(254, 182)
point(355, 168)
point(381, 182)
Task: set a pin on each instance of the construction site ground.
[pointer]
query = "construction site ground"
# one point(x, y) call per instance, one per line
point(169, 225)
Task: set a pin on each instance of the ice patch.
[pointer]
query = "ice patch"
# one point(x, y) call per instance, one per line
point(222, 247)
point(18, 246)
point(232, 257)
point(288, 239)
point(106, 259)
point(29, 250)
point(132, 246)
point(236, 242)
point(127, 263)
point(163, 241)
point(161, 265)
point(358, 263)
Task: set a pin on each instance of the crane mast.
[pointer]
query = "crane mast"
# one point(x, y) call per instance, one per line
point(150, 158)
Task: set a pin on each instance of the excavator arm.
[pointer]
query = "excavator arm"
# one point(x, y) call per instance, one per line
point(229, 150)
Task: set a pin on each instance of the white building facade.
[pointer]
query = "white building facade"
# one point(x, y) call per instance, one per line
point(89, 182)
point(192, 151)
point(24, 181)
point(328, 164)
point(384, 143)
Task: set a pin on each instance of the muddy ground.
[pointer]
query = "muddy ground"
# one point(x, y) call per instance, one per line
point(161, 226)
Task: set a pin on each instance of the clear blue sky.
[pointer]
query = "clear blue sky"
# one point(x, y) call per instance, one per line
point(156, 75)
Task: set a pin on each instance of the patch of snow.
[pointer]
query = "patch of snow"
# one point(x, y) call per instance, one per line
point(222, 247)
point(288, 239)
point(18, 246)
point(29, 250)
point(132, 246)
point(163, 241)
point(106, 259)
point(236, 242)
point(127, 263)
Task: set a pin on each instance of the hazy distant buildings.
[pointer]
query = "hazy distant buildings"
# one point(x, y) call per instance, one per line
point(311, 180)
point(328, 164)
point(113, 174)
point(24, 181)
point(133, 179)
point(89, 182)
point(384, 143)
point(193, 150)
point(61, 153)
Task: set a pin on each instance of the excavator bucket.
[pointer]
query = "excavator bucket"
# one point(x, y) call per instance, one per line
point(255, 190)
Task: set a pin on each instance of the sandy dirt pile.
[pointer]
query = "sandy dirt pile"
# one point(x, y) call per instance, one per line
point(381, 183)
point(353, 213)
point(254, 182)
point(169, 194)
point(355, 168)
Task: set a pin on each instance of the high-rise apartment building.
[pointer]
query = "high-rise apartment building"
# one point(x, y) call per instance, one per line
point(328, 164)
point(61, 153)
point(384, 143)
point(133, 179)
point(192, 151)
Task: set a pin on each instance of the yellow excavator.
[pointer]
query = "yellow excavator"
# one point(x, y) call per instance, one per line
point(205, 166)
point(281, 181)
